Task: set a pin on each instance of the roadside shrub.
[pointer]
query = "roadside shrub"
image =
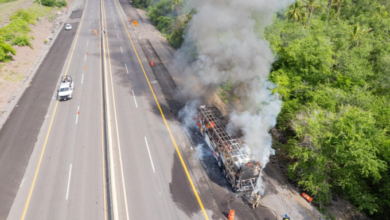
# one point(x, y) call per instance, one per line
point(5, 1)
point(22, 41)
point(52, 3)
point(164, 24)
point(163, 8)
point(61, 4)
point(176, 38)
point(5, 50)
point(18, 26)
point(144, 4)
point(15, 27)
point(26, 15)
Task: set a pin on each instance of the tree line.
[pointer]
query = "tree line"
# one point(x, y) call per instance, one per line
point(333, 75)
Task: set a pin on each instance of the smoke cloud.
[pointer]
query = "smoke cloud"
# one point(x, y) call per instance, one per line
point(221, 36)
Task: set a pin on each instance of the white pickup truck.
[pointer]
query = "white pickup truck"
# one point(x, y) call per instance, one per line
point(65, 91)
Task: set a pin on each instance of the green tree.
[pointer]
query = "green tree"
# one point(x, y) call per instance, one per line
point(338, 150)
point(327, 15)
point(295, 13)
point(357, 33)
point(178, 5)
point(338, 4)
point(310, 5)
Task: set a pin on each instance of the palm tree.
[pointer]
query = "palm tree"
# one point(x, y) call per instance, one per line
point(310, 6)
point(177, 4)
point(356, 33)
point(295, 12)
point(329, 4)
point(339, 3)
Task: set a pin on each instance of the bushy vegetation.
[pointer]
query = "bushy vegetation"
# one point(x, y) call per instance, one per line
point(16, 32)
point(5, 50)
point(5, 1)
point(333, 74)
point(22, 41)
point(169, 17)
point(53, 3)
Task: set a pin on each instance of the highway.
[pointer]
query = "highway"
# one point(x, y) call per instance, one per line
point(145, 149)
point(66, 174)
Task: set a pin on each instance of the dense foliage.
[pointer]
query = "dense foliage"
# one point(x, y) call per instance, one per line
point(5, 1)
point(169, 17)
point(52, 3)
point(333, 74)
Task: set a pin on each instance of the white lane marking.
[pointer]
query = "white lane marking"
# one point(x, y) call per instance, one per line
point(150, 156)
point(77, 116)
point(70, 174)
point(85, 58)
point(117, 35)
point(126, 69)
point(82, 79)
point(134, 99)
point(87, 42)
point(121, 50)
point(21, 184)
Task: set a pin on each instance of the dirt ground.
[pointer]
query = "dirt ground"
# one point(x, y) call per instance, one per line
point(13, 74)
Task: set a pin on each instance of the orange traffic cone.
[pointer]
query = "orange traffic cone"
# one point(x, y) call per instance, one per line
point(87, 53)
point(78, 112)
point(129, 20)
point(231, 215)
point(85, 67)
point(98, 45)
point(307, 197)
point(151, 63)
point(95, 32)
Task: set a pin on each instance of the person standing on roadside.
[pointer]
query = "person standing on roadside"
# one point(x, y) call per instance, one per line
point(286, 217)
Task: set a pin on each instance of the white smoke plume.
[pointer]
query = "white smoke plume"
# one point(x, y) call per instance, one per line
point(222, 36)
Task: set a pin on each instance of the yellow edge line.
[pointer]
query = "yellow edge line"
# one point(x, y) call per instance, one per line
point(166, 124)
point(102, 123)
point(51, 123)
point(116, 121)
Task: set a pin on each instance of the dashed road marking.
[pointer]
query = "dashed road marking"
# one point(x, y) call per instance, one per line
point(70, 175)
point(134, 99)
point(150, 156)
point(77, 115)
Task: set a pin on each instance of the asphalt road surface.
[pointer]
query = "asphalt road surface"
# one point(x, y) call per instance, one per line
point(65, 177)
point(19, 133)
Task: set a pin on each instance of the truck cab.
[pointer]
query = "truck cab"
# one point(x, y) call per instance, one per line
point(66, 88)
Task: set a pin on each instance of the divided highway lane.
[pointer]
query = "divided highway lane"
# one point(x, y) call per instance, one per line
point(147, 163)
point(69, 184)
